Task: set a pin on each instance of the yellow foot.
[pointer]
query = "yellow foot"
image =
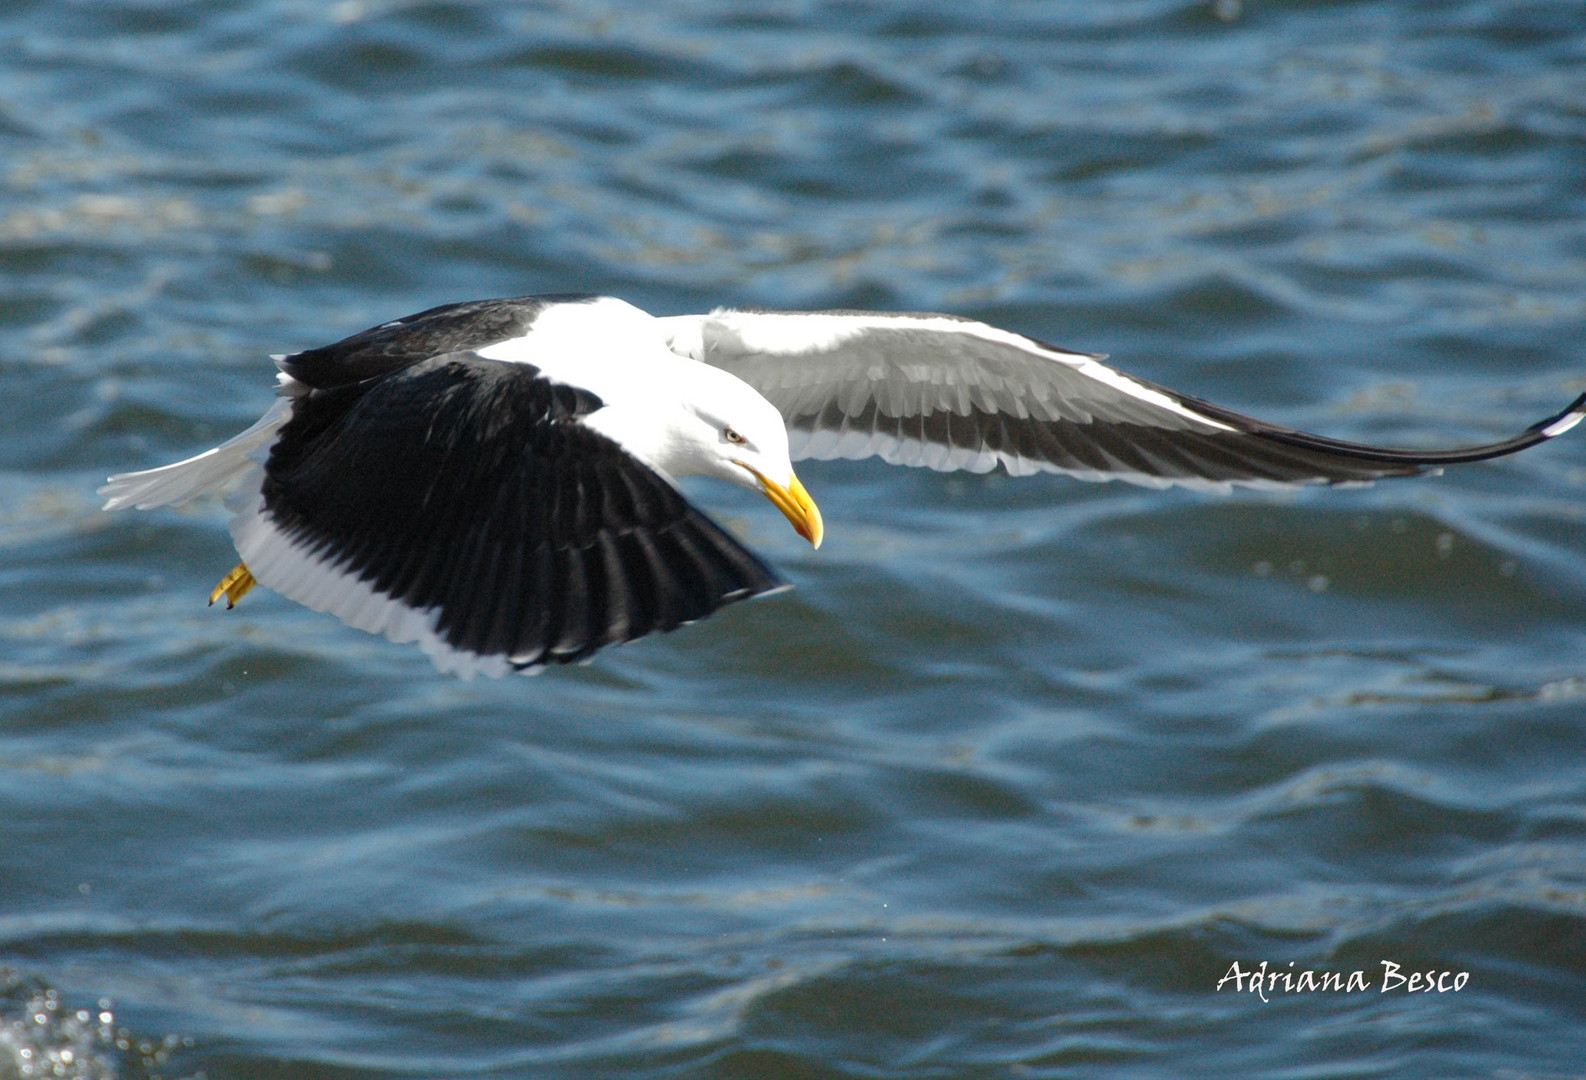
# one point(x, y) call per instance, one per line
point(234, 586)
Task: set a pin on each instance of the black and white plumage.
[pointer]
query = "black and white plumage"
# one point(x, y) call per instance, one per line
point(493, 479)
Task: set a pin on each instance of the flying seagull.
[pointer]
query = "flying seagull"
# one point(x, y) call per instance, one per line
point(494, 479)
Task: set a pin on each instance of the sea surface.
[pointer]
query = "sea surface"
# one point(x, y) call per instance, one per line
point(1021, 769)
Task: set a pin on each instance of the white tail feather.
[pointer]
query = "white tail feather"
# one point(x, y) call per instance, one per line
point(209, 471)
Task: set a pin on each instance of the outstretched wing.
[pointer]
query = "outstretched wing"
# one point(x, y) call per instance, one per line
point(952, 393)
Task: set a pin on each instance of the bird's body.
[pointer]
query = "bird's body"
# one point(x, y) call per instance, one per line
point(494, 479)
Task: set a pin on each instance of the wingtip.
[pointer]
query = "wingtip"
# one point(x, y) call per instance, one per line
point(1558, 425)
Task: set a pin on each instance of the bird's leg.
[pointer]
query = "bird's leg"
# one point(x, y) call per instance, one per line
point(234, 585)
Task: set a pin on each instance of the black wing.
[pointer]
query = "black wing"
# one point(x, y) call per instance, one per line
point(401, 343)
point(467, 489)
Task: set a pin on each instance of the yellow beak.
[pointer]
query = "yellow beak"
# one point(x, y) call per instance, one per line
point(795, 503)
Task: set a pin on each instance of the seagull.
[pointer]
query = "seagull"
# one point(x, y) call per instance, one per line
point(496, 480)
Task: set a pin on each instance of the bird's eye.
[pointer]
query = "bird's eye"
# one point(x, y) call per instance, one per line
point(733, 437)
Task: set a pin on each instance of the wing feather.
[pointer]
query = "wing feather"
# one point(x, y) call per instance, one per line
point(942, 392)
point(466, 491)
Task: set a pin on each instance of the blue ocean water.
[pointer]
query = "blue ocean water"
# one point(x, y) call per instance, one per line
point(1022, 768)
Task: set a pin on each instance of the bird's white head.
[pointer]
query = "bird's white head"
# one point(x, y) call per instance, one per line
point(740, 437)
point(715, 424)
